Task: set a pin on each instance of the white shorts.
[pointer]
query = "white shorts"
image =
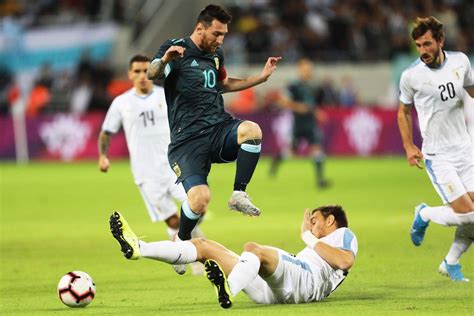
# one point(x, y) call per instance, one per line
point(452, 176)
point(160, 199)
point(292, 283)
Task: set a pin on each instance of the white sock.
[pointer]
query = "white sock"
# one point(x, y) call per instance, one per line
point(465, 219)
point(243, 272)
point(171, 232)
point(444, 215)
point(169, 251)
point(462, 241)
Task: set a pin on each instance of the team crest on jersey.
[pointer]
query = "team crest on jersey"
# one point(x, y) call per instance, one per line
point(450, 188)
point(177, 169)
point(216, 60)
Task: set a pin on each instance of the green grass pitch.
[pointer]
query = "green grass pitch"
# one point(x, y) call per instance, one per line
point(54, 219)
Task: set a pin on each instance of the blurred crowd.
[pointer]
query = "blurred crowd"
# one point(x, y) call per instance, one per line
point(91, 86)
point(322, 30)
point(31, 14)
point(335, 30)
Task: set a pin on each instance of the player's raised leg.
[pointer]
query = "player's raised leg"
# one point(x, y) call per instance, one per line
point(255, 260)
point(249, 137)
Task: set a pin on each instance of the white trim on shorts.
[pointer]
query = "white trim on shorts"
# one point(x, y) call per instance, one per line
point(451, 176)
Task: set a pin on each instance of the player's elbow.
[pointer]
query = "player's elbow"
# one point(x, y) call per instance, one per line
point(152, 75)
point(345, 265)
point(346, 262)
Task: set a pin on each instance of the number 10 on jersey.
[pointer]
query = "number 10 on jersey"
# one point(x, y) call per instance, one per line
point(209, 78)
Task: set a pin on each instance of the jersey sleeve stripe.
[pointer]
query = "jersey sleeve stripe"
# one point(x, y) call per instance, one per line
point(347, 240)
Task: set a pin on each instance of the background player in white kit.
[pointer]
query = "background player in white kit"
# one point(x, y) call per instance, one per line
point(142, 112)
point(266, 274)
point(436, 85)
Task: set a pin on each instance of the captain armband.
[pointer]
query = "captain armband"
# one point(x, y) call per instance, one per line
point(309, 239)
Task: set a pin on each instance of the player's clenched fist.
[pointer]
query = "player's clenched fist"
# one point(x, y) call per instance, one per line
point(172, 53)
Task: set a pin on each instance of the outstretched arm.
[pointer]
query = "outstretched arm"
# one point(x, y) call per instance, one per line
point(104, 142)
point(234, 84)
point(413, 153)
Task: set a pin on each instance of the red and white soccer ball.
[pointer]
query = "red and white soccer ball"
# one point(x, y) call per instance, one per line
point(76, 289)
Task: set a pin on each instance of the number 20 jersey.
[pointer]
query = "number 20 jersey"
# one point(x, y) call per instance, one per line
point(192, 91)
point(437, 94)
point(145, 122)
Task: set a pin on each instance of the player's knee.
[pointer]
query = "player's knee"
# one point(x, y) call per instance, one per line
point(199, 200)
point(249, 130)
point(254, 248)
point(251, 247)
point(198, 206)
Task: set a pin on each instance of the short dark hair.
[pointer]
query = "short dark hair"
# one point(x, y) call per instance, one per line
point(335, 210)
point(423, 25)
point(137, 58)
point(213, 12)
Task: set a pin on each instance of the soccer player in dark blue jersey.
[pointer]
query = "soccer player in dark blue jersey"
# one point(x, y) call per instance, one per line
point(302, 103)
point(202, 132)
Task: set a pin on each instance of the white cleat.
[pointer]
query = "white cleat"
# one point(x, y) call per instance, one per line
point(179, 268)
point(240, 202)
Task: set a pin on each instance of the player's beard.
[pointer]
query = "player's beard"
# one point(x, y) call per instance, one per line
point(208, 47)
point(434, 60)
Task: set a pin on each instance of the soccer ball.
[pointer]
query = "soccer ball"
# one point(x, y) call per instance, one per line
point(76, 289)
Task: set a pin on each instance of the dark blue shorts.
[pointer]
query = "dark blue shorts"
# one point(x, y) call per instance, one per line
point(193, 158)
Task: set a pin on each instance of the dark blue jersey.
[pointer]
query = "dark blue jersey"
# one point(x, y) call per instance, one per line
point(192, 90)
point(303, 92)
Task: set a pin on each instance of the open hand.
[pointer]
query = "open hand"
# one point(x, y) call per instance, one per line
point(306, 223)
point(269, 67)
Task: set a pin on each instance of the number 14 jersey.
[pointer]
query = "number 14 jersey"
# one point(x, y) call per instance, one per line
point(145, 122)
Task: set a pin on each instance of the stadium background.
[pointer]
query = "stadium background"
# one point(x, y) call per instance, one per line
point(63, 61)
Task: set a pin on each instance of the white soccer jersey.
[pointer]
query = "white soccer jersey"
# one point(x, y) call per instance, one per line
point(437, 94)
point(327, 278)
point(145, 123)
